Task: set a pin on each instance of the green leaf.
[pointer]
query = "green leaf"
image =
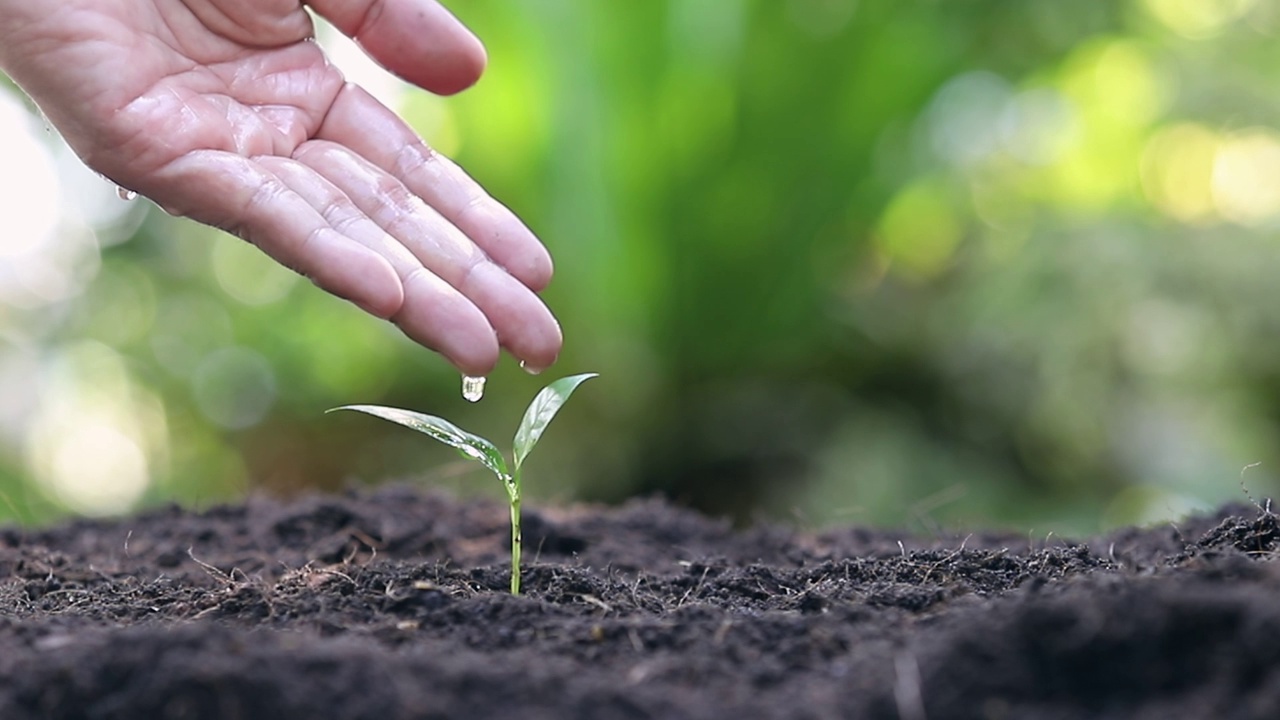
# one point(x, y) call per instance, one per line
point(543, 408)
point(471, 446)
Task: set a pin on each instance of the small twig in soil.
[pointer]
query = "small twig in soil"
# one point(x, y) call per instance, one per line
point(330, 572)
point(947, 559)
point(696, 588)
point(635, 592)
point(363, 537)
point(211, 570)
point(593, 600)
point(1264, 510)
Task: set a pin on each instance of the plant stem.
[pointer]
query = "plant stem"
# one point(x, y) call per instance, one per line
point(513, 489)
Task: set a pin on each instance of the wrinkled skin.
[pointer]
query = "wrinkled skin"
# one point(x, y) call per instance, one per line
point(226, 112)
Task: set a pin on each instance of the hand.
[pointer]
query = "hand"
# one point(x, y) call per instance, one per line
point(225, 111)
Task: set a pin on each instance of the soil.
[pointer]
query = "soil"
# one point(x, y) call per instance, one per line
point(392, 603)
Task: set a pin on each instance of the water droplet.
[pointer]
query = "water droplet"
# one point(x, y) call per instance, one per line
point(529, 368)
point(125, 193)
point(472, 388)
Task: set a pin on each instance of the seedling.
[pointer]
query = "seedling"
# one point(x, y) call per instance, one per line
point(543, 408)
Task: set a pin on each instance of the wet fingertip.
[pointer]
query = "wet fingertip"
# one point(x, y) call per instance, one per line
point(473, 357)
point(531, 368)
point(473, 353)
point(537, 362)
point(472, 366)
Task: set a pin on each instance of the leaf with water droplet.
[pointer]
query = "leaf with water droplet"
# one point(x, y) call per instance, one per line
point(471, 446)
point(543, 408)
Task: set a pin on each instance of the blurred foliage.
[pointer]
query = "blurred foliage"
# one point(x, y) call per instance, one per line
point(923, 263)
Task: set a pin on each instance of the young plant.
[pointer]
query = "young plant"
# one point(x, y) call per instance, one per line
point(543, 408)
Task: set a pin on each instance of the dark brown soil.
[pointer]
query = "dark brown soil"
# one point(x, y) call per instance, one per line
point(392, 604)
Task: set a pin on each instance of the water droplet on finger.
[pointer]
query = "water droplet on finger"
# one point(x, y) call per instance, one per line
point(125, 193)
point(472, 388)
point(529, 368)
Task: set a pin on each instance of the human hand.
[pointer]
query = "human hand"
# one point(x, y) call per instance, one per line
point(224, 111)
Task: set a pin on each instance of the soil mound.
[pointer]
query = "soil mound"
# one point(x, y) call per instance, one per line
point(391, 604)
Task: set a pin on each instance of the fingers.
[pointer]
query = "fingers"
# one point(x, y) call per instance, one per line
point(417, 40)
point(362, 235)
point(358, 121)
point(458, 215)
point(434, 314)
point(234, 193)
point(523, 324)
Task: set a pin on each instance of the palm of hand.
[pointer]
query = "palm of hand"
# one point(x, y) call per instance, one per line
point(213, 93)
point(224, 111)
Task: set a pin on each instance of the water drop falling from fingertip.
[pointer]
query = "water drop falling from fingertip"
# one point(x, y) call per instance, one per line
point(125, 193)
point(472, 388)
point(530, 369)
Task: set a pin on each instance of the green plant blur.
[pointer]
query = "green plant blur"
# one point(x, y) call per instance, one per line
point(546, 404)
point(845, 260)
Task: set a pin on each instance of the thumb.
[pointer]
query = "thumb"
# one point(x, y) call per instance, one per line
point(417, 40)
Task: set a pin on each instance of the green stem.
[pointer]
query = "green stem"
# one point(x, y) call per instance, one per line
point(513, 489)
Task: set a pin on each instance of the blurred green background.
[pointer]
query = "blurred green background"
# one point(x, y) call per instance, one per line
point(963, 263)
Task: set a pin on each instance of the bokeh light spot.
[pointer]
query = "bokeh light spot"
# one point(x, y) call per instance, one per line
point(1198, 19)
point(1114, 83)
point(964, 117)
point(1246, 177)
point(28, 184)
point(96, 469)
point(94, 431)
point(1038, 126)
point(1177, 168)
point(45, 257)
point(919, 231)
